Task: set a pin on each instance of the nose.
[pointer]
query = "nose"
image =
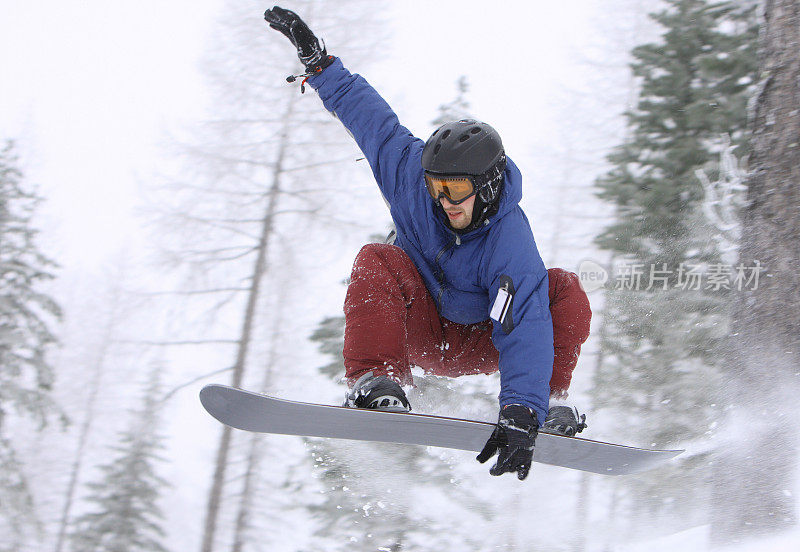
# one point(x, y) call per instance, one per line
point(445, 202)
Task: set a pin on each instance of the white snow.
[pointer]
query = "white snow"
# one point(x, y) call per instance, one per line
point(93, 91)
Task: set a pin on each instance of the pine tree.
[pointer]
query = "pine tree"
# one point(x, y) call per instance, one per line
point(26, 316)
point(664, 336)
point(26, 377)
point(19, 523)
point(126, 517)
point(695, 87)
point(329, 337)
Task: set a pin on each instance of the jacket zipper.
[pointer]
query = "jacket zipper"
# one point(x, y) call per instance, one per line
point(440, 271)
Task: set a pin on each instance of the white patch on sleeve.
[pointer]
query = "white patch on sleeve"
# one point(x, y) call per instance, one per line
point(501, 304)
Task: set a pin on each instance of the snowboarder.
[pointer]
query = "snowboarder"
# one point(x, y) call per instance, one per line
point(463, 289)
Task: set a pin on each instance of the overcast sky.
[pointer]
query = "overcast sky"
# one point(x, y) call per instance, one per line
point(92, 89)
point(89, 89)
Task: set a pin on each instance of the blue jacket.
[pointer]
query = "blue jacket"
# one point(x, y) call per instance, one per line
point(462, 272)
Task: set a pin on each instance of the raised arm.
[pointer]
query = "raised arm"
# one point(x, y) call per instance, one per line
point(393, 153)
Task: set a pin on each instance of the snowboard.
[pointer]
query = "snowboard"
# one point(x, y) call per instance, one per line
point(250, 411)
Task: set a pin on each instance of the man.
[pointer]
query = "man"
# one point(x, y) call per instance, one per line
point(463, 290)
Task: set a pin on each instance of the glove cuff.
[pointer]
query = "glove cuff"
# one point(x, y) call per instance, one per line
point(318, 62)
point(521, 416)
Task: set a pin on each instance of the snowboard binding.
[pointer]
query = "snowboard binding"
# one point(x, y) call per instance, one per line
point(563, 420)
point(377, 393)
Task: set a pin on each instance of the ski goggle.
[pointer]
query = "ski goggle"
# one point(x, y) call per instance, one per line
point(455, 188)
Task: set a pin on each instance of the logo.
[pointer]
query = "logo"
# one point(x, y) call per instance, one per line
point(592, 276)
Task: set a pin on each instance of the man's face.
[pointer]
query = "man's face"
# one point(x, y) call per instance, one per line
point(459, 215)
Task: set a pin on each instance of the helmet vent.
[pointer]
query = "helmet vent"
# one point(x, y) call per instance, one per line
point(450, 151)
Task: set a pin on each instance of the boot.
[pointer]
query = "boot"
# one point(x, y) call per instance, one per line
point(377, 393)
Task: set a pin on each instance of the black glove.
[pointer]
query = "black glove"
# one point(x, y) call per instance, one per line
point(513, 440)
point(562, 420)
point(313, 56)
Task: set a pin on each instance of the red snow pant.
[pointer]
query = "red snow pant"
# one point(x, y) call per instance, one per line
point(391, 323)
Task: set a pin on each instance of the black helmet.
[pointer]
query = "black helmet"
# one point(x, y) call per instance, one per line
point(462, 147)
point(469, 147)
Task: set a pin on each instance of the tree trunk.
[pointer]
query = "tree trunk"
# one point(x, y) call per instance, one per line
point(215, 494)
point(754, 481)
point(248, 488)
point(83, 438)
point(257, 441)
point(96, 380)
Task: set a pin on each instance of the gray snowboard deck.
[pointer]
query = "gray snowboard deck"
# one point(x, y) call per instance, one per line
point(250, 411)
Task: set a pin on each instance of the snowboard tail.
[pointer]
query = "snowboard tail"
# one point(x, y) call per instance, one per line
point(250, 411)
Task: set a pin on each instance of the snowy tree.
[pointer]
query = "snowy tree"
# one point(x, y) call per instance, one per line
point(26, 377)
point(97, 308)
point(329, 337)
point(20, 522)
point(125, 516)
point(268, 164)
point(26, 316)
point(665, 332)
